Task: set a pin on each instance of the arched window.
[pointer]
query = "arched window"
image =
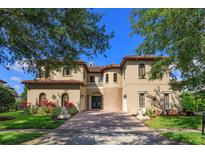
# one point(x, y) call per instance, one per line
point(42, 97)
point(66, 71)
point(107, 78)
point(64, 99)
point(115, 77)
point(141, 101)
point(141, 71)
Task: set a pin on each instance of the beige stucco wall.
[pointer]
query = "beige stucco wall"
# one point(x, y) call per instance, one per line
point(83, 93)
point(111, 83)
point(75, 74)
point(112, 93)
point(54, 93)
point(112, 99)
point(132, 86)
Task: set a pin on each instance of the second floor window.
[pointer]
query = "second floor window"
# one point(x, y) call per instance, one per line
point(100, 78)
point(115, 77)
point(141, 71)
point(66, 71)
point(107, 78)
point(92, 78)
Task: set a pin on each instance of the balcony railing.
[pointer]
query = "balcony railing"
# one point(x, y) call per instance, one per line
point(94, 84)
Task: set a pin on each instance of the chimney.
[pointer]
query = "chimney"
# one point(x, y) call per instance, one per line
point(90, 64)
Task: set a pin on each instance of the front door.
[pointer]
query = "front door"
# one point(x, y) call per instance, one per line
point(96, 102)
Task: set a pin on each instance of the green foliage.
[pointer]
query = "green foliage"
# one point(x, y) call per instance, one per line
point(7, 100)
point(60, 35)
point(188, 102)
point(73, 110)
point(43, 110)
point(55, 112)
point(24, 120)
point(11, 138)
point(149, 112)
point(33, 110)
point(186, 137)
point(192, 102)
point(24, 93)
point(185, 122)
point(178, 33)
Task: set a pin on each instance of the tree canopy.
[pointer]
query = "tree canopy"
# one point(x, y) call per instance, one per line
point(178, 33)
point(31, 35)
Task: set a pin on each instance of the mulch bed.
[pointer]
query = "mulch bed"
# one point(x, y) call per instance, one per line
point(5, 118)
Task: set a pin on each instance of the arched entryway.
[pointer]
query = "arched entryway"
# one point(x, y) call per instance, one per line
point(64, 99)
point(96, 101)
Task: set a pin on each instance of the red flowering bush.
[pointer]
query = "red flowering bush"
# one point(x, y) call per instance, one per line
point(25, 105)
point(69, 104)
point(47, 103)
point(72, 109)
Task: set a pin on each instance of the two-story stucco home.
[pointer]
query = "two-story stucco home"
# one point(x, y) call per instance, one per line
point(125, 87)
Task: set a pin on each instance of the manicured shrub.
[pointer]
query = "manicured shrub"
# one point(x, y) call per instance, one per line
point(55, 112)
point(43, 110)
point(7, 100)
point(72, 111)
point(189, 103)
point(149, 112)
point(33, 110)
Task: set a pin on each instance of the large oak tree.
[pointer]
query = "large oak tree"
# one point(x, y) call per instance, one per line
point(178, 33)
point(28, 36)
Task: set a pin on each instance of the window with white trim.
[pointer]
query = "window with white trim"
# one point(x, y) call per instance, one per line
point(66, 71)
point(141, 100)
point(141, 71)
point(167, 104)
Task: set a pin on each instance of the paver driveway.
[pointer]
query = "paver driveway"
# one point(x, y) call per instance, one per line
point(98, 127)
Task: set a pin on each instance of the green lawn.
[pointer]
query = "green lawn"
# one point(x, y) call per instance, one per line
point(17, 137)
point(187, 122)
point(24, 121)
point(186, 137)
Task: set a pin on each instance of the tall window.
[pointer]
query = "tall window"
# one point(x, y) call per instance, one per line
point(100, 78)
point(141, 101)
point(141, 71)
point(92, 78)
point(115, 77)
point(42, 98)
point(166, 101)
point(66, 71)
point(64, 99)
point(107, 78)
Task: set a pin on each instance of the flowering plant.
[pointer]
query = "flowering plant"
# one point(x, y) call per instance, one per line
point(47, 103)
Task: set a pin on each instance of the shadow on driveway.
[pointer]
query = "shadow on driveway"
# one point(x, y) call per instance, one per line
point(98, 127)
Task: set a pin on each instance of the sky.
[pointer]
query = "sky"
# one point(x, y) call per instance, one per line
point(122, 44)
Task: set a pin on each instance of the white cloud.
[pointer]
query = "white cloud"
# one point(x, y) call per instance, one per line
point(18, 66)
point(17, 87)
point(15, 78)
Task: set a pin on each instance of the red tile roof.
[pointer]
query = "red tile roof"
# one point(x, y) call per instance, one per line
point(71, 82)
point(149, 58)
point(96, 69)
